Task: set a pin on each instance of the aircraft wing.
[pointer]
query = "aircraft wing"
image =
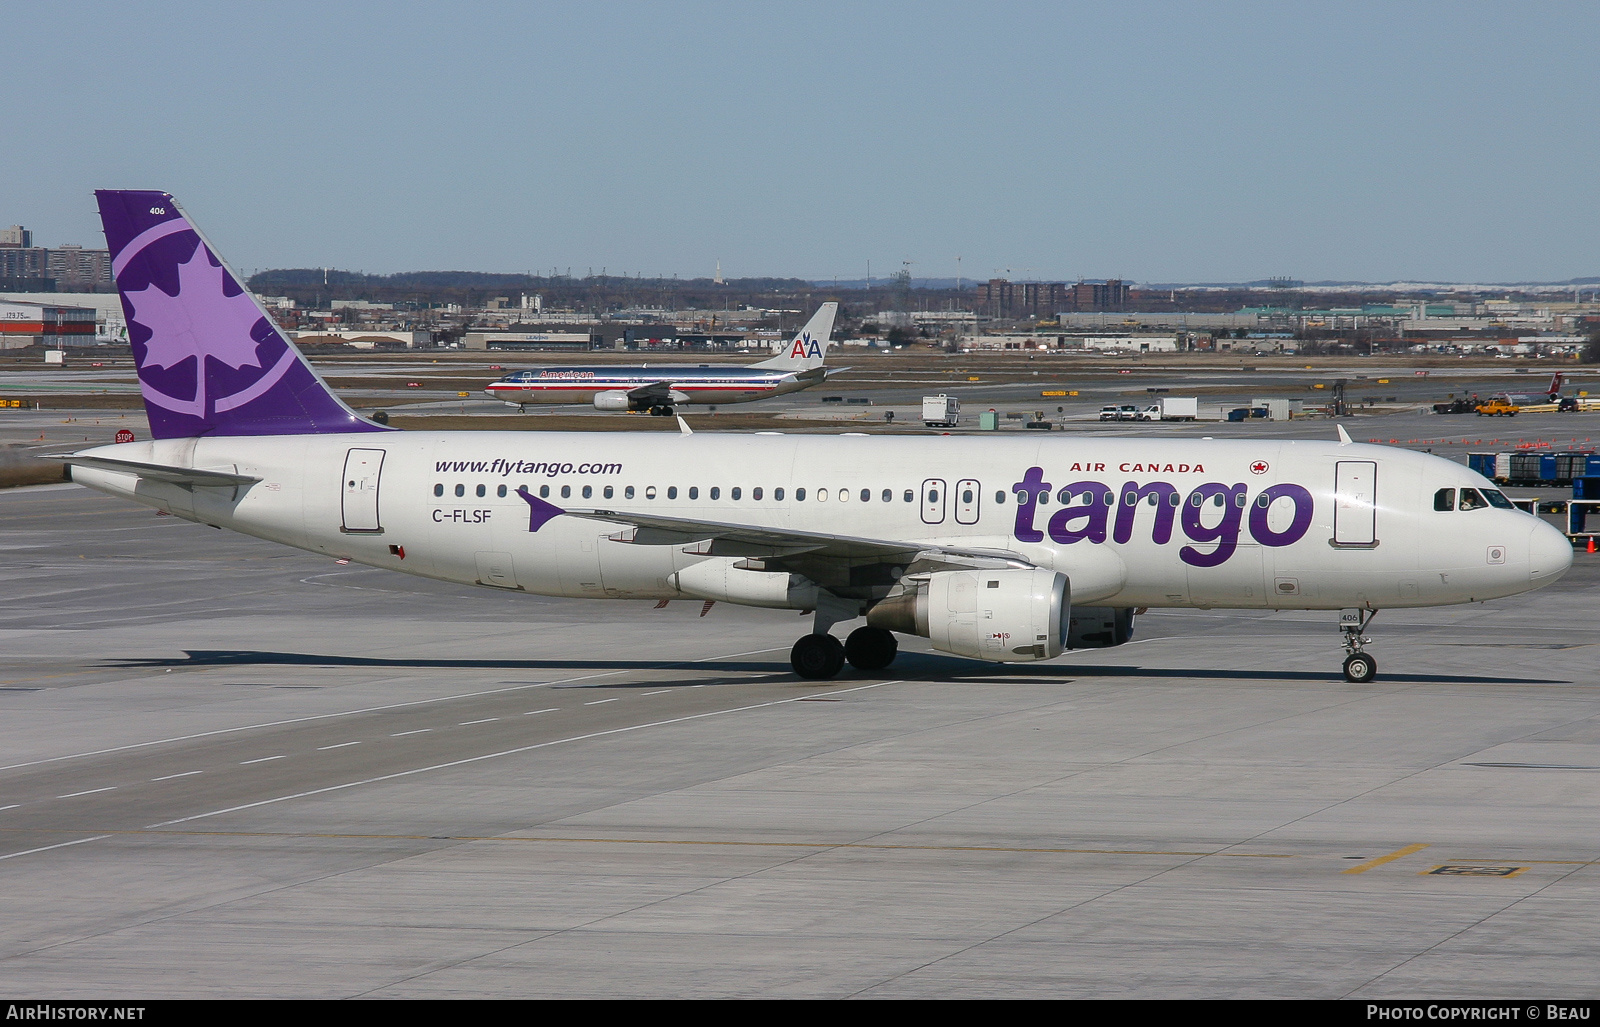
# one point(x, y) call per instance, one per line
point(757, 542)
point(188, 477)
point(655, 392)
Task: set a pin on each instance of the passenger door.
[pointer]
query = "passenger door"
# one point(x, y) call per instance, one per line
point(359, 505)
point(1355, 503)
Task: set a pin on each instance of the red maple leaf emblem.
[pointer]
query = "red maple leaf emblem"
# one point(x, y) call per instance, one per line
point(1259, 467)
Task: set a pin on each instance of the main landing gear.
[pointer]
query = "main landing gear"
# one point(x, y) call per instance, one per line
point(820, 656)
point(1359, 666)
point(660, 411)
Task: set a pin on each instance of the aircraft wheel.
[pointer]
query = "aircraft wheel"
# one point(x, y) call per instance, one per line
point(1359, 668)
point(870, 648)
point(817, 656)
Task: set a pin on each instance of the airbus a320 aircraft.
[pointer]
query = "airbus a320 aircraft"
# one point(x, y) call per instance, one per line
point(1001, 549)
point(658, 389)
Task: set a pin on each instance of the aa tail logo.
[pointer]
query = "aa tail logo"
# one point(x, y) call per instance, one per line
point(805, 347)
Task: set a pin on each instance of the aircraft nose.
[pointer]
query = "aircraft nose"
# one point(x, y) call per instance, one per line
point(1549, 554)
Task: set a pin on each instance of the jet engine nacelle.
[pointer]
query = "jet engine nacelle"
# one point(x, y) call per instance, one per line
point(1008, 616)
point(724, 580)
point(615, 399)
point(1098, 627)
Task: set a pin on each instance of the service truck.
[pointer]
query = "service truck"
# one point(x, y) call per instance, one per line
point(1172, 408)
point(941, 411)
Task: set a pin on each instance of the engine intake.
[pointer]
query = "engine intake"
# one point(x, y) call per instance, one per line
point(1099, 627)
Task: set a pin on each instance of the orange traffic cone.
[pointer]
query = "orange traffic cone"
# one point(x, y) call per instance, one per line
point(1591, 543)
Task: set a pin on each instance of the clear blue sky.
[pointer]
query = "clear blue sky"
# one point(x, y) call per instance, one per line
point(1154, 142)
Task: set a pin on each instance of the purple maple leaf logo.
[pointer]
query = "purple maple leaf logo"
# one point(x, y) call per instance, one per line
point(200, 321)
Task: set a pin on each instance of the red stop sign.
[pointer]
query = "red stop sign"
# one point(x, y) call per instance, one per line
point(124, 435)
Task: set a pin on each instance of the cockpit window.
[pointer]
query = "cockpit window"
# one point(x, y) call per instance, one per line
point(1471, 500)
point(1444, 499)
point(1498, 500)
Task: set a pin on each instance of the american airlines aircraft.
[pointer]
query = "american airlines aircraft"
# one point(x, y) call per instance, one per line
point(658, 389)
point(1002, 549)
point(1549, 395)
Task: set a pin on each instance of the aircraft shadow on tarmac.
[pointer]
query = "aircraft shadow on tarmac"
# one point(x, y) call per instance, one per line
point(909, 666)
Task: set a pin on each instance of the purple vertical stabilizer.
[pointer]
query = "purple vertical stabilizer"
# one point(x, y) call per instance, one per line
point(210, 360)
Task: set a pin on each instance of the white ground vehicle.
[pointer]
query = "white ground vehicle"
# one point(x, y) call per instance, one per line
point(941, 411)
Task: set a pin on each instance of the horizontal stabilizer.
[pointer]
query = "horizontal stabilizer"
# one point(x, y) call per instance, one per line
point(189, 477)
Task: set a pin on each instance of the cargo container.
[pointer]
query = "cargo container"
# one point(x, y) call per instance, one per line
point(1552, 469)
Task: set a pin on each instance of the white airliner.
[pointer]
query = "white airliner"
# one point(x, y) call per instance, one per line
point(659, 388)
point(1002, 549)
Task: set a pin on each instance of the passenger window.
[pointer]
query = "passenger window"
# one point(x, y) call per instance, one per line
point(866, 495)
point(694, 492)
point(1444, 499)
point(755, 494)
point(627, 493)
point(716, 492)
point(736, 493)
point(910, 496)
point(822, 495)
point(799, 495)
point(438, 490)
point(1044, 499)
point(482, 491)
point(566, 492)
point(672, 492)
point(844, 495)
point(501, 492)
point(1130, 498)
point(588, 492)
point(649, 492)
point(966, 495)
point(1000, 496)
point(777, 494)
point(1471, 500)
point(461, 490)
point(933, 495)
point(608, 492)
point(888, 495)
point(544, 492)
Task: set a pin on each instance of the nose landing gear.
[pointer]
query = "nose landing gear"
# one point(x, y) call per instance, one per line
point(1359, 666)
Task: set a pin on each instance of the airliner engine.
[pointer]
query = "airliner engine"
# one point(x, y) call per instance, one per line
point(1008, 616)
point(1099, 627)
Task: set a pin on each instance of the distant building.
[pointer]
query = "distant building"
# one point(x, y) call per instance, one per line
point(557, 341)
point(76, 269)
point(26, 324)
point(25, 267)
point(999, 297)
